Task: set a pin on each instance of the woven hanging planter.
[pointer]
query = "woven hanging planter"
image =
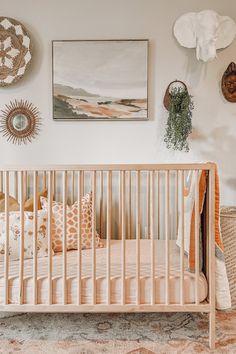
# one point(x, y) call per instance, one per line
point(167, 97)
point(15, 51)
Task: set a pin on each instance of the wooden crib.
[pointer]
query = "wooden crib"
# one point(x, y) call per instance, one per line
point(138, 211)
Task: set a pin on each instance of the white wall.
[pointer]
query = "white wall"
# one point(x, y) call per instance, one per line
point(214, 119)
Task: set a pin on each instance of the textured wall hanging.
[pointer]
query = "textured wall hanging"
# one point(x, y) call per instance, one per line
point(15, 51)
point(228, 83)
point(206, 31)
point(20, 122)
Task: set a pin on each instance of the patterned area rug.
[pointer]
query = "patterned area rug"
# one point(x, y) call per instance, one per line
point(115, 333)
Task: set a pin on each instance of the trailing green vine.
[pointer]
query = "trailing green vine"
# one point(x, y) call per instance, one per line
point(179, 123)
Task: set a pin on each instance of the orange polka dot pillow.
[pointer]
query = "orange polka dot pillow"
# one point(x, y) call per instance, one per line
point(72, 224)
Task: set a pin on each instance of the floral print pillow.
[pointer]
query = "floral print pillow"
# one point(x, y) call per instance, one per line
point(15, 234)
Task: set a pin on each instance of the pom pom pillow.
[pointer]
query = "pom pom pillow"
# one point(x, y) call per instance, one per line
point(13, 203)
point(72, 224)
point(15, 206)
point(15, 234)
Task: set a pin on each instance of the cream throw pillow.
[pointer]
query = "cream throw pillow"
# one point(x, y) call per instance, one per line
point(72, 224)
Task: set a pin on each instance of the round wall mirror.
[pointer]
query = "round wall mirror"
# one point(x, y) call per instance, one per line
point(20, 122)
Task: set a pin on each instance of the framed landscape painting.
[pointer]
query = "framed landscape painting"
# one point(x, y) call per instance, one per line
point(100, 80)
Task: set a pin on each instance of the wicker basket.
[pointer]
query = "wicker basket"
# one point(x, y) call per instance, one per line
point(228, 229)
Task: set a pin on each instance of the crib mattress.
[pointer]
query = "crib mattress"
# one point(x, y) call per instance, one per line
point(101, 279)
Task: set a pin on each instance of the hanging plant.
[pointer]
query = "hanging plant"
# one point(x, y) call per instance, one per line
point(179, 123)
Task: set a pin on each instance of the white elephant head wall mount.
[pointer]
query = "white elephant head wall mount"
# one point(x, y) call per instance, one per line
point(206, 31)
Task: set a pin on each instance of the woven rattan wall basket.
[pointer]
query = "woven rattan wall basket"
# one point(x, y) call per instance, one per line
point(228, 228)
point(15, 51)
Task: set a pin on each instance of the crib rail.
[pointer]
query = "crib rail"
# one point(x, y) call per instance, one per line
point(113, 167)
point(129, 202)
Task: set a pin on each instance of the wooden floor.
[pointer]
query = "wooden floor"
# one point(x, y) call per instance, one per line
point(175, 333)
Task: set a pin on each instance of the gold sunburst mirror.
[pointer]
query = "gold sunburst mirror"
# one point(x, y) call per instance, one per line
point(20, 122)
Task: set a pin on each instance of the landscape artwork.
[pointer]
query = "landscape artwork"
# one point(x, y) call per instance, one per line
point(100, 80)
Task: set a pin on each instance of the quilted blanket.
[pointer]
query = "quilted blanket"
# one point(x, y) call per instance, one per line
point(223, 298)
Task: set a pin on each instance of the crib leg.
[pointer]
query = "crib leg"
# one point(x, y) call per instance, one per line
point(212, 329)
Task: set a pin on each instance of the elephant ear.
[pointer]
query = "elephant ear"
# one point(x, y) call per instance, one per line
point(185, 30)
point(226, 32)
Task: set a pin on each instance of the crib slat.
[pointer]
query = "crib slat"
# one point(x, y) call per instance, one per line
point(158, 206)
point(50, 192)
point(101, 204)
point(26, 184)
point(137, 237)
point(196, 238)
point(123, 236)
point(167, 250)
point(157, 213)
point(22, 229)
point(16, 185)
point(109, 214)
point(72, 187)
point(1, 180)
point(79, 216)
point(94, 238)
point(211, 253)
point(176, 201)
point(55, 184)
point(44, 180)
point(129, 215)
point(82, 185)
point(64, 241)
point(6, 258)
point(152, 207)
point(35, 232)
point(148, 205)
point(120, 208)
point(182, 240)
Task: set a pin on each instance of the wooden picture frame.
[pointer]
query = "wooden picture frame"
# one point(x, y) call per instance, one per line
point(100, 80)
